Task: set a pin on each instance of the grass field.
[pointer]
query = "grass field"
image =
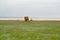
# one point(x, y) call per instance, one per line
point(34, 30)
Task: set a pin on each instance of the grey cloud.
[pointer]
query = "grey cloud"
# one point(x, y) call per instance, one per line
point(32, 8)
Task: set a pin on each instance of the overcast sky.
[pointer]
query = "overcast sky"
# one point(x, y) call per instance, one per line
point(31, 8)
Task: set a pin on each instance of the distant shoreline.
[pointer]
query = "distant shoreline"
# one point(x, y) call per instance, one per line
point(34, 19)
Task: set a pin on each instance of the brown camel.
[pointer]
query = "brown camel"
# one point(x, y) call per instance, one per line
point(26, 18)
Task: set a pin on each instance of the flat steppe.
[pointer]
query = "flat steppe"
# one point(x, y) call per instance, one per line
point(32, 30)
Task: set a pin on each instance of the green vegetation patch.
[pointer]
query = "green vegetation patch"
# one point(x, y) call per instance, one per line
point(34, 30)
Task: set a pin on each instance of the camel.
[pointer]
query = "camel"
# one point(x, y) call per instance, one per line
point(26, 18)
